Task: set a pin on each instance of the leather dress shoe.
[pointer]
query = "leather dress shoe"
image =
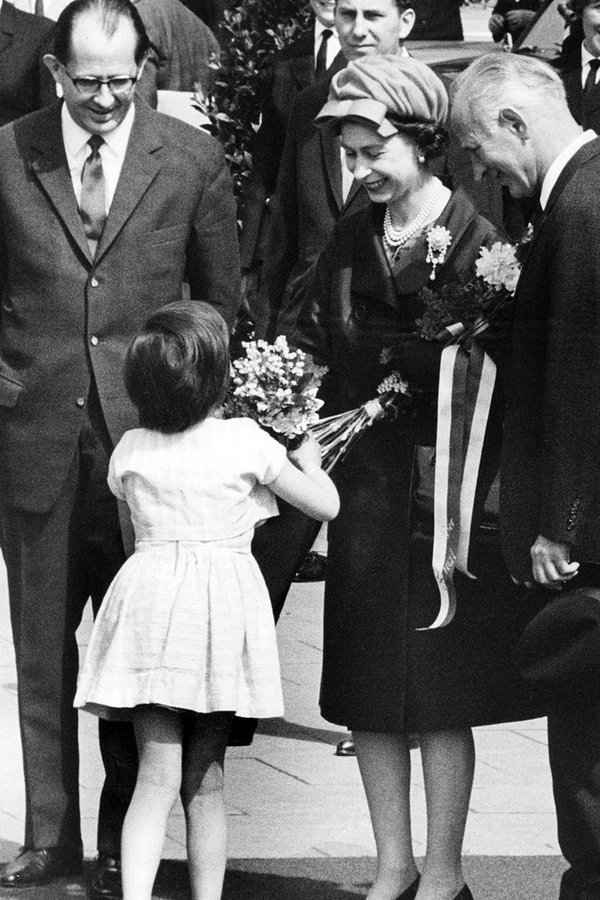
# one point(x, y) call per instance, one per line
point(411, 891)
point(106, 883)
point(345, 748)
point(33, 867)
point(312, 568)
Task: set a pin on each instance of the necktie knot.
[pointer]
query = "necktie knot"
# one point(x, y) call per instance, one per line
point(95, 143)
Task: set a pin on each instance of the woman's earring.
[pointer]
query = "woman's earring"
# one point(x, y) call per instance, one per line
point(421, 158)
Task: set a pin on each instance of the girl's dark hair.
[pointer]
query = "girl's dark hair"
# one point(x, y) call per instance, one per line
point(110, 12)
point(430, 140)
point(177, 366)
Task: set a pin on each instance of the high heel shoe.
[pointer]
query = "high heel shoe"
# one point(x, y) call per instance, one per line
point(411, 891)
point(465, 894)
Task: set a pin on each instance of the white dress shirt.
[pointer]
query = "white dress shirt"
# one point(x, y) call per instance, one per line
point(333, 44)
point(553, 173)
point(52, 8)
point(112, 151)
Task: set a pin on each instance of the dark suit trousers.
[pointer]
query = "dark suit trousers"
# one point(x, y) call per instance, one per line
point(55, 562)
point(574, 746)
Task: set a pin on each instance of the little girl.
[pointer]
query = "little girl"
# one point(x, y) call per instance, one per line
point(185, 636)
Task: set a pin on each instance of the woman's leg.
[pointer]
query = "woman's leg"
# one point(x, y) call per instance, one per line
point(159, 733)
point(384, 763)
point(448, 767)
point(204, 744)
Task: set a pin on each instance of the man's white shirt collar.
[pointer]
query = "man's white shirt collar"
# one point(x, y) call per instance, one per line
point(553, 173)
point(112, 152)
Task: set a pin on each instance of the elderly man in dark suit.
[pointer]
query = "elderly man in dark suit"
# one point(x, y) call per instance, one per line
point(511, 114)
point(579, 64)
point(313, 56)
point(25, 83)
point(108, 211)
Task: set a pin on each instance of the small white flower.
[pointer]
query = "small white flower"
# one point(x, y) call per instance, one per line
point(498, 266)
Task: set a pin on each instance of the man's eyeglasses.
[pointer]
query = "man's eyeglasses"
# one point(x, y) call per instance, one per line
point(120, 84)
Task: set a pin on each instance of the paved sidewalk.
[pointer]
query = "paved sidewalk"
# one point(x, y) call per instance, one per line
point(290, 798)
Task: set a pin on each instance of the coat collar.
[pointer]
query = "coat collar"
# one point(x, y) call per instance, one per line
point(140, 167)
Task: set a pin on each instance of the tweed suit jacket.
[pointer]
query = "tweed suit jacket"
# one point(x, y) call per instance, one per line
point(66, 319)
point(25, 82)
point(308, 201)
point(550, 481)
point(293, 70)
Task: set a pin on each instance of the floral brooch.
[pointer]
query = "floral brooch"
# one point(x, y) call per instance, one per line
point(438, 241)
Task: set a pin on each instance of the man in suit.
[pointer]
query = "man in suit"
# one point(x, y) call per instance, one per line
point(314, 187)
point(313, 56)
point(579, 64)
point(25, 83)
point(108, 210)
point(511, 114)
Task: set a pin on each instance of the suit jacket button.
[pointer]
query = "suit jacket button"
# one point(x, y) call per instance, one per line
point(80, 401)
point(94, 341)
point(94, 282)
point(359, 311)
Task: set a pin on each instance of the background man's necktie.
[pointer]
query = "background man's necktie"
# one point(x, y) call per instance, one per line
point(590, 81)
point(92, 207)
point(39, 7)
point(321, 61)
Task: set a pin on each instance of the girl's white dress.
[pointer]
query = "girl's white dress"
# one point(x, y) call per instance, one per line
point(187, 622)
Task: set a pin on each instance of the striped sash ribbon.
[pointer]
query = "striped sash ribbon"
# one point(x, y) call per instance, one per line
point(466, 385)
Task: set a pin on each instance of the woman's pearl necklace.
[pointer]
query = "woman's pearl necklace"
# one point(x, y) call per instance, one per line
point(395, 238)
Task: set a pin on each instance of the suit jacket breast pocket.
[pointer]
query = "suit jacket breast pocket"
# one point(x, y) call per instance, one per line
point(170, 235)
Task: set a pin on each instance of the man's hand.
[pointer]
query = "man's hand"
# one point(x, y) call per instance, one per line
point(550, 563)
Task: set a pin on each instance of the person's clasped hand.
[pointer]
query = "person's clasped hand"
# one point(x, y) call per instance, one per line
point(550, 563)
point(306, 457)
point(497, 26)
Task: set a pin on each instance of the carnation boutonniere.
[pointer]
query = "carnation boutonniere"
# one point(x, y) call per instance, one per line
point(438, 241)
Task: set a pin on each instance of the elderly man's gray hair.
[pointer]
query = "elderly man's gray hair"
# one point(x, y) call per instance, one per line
point(502, 79)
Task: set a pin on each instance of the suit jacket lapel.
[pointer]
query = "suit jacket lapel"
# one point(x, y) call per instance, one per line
point(50, 167)
point(140, 167)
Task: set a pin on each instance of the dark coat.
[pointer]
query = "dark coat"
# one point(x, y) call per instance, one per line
point(586, 110)
point(379, 672)
point(66, 319)
point(550, 471)
point(307, 203)
point(25, 82)
point(293, 70)
point(437, 20)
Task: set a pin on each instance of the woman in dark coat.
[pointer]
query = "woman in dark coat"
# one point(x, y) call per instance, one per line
point(383, 678)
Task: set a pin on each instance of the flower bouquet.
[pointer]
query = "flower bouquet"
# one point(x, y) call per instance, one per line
point(479, 307)
point(277, 387)
point(273, 385)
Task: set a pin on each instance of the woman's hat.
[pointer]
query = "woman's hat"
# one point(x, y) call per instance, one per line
point(379, 90)
point(559, 651)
